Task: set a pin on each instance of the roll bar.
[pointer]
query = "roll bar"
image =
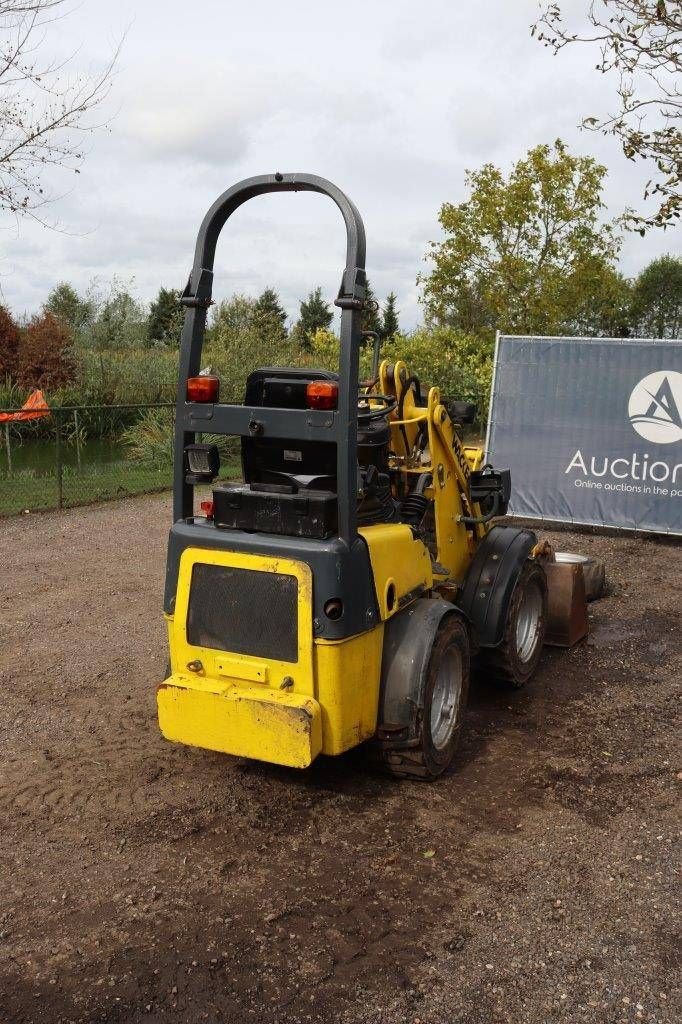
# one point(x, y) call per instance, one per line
point(340, 425)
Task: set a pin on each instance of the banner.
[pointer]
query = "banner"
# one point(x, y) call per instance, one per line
point(591, 429)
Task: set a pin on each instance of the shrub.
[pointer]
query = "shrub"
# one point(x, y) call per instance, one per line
point(459, 364)
point(150, 439)
point(45, 359)
point(9, 343)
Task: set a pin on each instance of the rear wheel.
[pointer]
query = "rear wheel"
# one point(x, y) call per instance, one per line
point(515, 660)
point(445, 697)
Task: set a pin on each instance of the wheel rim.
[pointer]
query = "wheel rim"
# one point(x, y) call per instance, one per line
point(528, 622)
point(447, 692)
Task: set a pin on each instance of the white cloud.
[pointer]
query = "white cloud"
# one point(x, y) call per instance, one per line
point(390, 102)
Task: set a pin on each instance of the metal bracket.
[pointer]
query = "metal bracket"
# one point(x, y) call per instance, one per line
point(352, 292)
point(201, 297)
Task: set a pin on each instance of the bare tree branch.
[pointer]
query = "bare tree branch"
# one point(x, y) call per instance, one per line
point(641, 42)
point(44, 105)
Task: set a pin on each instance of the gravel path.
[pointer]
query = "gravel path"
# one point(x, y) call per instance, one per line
point(143, 882)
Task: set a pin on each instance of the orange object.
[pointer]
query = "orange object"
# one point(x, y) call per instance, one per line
point(322, 394)
point(33, 408)
point(203, 389)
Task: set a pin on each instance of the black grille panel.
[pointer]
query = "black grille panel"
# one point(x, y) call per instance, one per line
point(244, 611)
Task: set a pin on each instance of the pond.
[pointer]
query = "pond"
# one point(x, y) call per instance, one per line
point(40, 456)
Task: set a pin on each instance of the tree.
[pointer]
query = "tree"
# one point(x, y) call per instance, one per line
point(65, 304)
point(525, 253)
point(639, 41)
point(232, 318)
point(314, 315)
point(269, 315)
point(9, 344)
point(166, 317)
point(605, 309)
point(44, 106)
point(121, 321)
point(371, 316)
point(389, 323)
point(657, 299)
point(44, 359)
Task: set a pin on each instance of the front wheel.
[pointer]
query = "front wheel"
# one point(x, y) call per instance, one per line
point(444, 703)
point(516, 658)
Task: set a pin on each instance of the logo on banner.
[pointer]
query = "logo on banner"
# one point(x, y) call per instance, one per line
point(655, 407)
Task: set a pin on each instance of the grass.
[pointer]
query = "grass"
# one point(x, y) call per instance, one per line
point(26, 491)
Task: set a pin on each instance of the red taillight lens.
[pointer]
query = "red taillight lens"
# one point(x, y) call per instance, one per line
point(203, 389)
point(207, 508)
point(322, 394)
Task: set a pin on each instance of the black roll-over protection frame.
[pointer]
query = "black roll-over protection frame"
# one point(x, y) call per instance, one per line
point(338, 425)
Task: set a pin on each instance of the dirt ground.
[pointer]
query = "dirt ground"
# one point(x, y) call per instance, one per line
point(144, 882)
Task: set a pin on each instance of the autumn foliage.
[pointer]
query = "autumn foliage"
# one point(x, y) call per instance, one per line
point(9, 343)
point(44, 358)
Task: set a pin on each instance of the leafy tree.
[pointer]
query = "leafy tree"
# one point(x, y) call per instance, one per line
point(314, 315)
point(232, 318)
point(657, 299)
point(371, 316)
point(45, 359)
point(605, 310)
point(389, 323)
point(639, 42)
point(523, 253)
point(9, 344)
point(269, 315)
point(166, 317)
point(44, 104)
point(120, 323)
point(65, 304)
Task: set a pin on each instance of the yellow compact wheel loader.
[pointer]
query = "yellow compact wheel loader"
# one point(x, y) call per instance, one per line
point(339, 594)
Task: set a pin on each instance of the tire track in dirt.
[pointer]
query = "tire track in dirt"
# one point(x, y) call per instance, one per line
point(146, 882)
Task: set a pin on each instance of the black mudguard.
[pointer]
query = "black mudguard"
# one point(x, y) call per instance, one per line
point(408, 640)
point(491, 579)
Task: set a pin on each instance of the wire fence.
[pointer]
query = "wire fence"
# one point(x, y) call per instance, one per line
point(81, 454)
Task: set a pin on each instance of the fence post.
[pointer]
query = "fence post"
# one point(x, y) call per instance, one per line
point(58, 458)
point(9, 450)
point(78, 440)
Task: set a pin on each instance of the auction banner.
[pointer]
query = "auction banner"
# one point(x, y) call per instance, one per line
point(591, 429)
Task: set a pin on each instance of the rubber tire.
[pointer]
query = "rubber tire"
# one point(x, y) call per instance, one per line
point(594, 572)
point(424, 761)
point(503, 661)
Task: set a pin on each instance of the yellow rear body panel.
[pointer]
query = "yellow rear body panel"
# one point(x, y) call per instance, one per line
point(282, 712)
point(240, 667)
point(347, 674)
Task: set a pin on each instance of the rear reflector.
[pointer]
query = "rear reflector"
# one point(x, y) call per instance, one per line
point(322, 394)
point(207, 508)
point(203, 389)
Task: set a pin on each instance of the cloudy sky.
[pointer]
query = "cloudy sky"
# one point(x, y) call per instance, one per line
point(392, 100)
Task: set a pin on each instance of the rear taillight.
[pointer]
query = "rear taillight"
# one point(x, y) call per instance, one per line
point(322, 394)
point(207, 508)
point(204, 388)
